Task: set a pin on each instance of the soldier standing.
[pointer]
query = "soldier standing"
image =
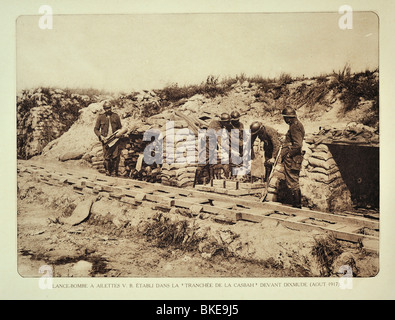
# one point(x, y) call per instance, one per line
point(212, 140)
point(236, 139)
point(108, 123)
point(272, 143)
point(292, 155)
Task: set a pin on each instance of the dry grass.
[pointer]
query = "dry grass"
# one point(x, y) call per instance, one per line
point(326, 250)
point(163, 232)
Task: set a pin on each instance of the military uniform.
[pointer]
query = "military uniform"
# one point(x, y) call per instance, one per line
point(271, 139)
point(236, 141)
point(292, 157)
point(208, 156)
point(105, 126)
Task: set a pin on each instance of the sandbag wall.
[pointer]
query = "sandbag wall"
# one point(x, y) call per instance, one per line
point(97, 158)
point(130, 164)
point(180, 155)
point(321, 182)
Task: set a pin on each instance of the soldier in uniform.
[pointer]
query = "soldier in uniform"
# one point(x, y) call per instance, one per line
point(235, 121)
point(108, 123)
point(236, 138)
point(213, 138)
point(272, 143)
point(292, 156)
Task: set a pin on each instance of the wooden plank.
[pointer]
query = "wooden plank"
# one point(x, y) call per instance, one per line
point(251, 186)
point(343, 227)
point(200, 192)
point(231, 214)
point(71, 180)
point(205, 188)
point(225, 191)
point(257, 205)
point(297, 219)
point(341, 235)
point(250, 217)
point(306, 212)
point(348, 229)
point(363, 222)
point(140, 197)
point(131, 193)
point(159, 199)
point(243, 192)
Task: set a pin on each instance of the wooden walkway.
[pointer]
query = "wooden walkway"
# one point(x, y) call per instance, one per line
point(227, 208)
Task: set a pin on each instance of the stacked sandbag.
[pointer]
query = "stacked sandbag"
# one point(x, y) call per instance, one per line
point(321, 182)
point(178, 175)
point(130, 155)
point(131, 164)
point(275, 183)
point(97, 158)
point(180, 152)
point(353, 133)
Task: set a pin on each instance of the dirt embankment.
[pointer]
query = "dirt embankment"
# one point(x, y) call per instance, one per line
point(327, 101)
point(117, 240)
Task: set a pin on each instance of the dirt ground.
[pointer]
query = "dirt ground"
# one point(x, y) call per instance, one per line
point(118, 240)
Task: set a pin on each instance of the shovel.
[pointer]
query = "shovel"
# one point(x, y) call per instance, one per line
point(265, 190)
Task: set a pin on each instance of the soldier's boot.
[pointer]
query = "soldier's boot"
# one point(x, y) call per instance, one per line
point(110, 167)
point(115, 166)
point(297, 199)
point(211, 173)
point(107, 167)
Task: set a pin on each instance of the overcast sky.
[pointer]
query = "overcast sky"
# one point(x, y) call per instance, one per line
point(133, 52)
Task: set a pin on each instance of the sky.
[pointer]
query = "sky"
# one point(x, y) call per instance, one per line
point(124, 53)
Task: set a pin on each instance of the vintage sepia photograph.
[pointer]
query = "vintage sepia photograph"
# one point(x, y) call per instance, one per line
point(198, 145)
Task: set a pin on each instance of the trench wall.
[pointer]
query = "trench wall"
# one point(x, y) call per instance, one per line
point(327, 182)
point(321, 182)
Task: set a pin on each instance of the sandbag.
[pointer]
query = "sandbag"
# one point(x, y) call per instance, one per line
point(186, 171)
point(322, 155)
point(175, 166)
point(329, 164)
point(185, 182)
point(319, 177)
point(186, 176)
point(97, 163)
point(169, 173)
point(324, 171)
point(303, 173)
point(321, 148)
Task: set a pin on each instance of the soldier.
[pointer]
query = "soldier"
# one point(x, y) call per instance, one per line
point(292, 155)
point(213, 139)
point(272, 143)
point(236, 137)
point(235, 121)
point(108, 123)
